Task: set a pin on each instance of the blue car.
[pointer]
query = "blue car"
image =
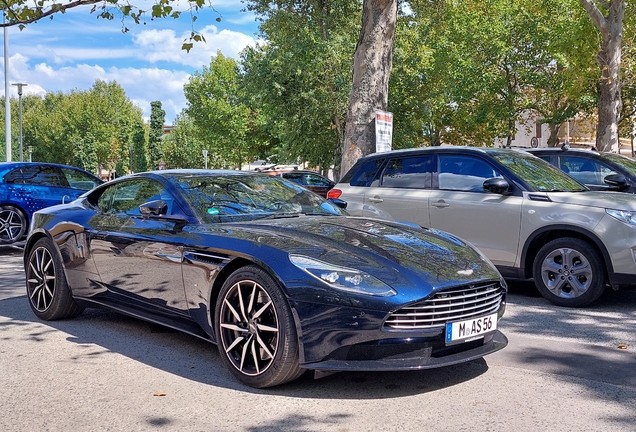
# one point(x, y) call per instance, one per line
point(26, 187)
point(280, 279)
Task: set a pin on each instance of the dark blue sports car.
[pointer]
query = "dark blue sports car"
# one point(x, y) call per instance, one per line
point(280, 279)
point(29, 186)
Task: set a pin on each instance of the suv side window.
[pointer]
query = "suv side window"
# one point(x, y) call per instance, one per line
point(464, 173)
point(409, 172)
point(363, 173)
point(586, 171)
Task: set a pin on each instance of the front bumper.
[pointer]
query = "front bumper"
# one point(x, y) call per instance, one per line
point(342, 338)
point(408, 355)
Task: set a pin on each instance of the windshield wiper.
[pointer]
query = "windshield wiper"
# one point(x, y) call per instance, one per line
point(280, 216)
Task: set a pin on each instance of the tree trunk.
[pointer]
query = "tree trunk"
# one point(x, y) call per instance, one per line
point(372, 64)
point(609, 61)
point(553, 139)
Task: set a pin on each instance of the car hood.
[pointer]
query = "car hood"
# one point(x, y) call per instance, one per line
point(608, 200)
point(395, 253)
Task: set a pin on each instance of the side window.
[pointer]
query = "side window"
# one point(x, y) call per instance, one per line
point(79, 180)
point(408, 172)
point(14, 177)
point(295, 177)
point(125, 198)
point(586, 171)
point(464, 173)
point(44, 176)
point(363, 174)
point(314, 180)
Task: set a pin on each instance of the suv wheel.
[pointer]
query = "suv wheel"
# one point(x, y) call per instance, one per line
point(569, 272)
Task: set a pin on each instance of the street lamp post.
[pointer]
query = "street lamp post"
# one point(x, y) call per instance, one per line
point(20, 85)
point(130, 152)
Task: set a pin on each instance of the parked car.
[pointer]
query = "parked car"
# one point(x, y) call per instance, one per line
point(29, 186)
point(529, 218)
point(280, 279)
point(308, 179)
point(596, 170)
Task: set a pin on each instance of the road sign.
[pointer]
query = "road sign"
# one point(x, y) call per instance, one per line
point(162, 165)
point(534, 142)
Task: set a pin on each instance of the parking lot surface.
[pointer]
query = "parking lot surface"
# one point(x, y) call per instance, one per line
point(564, 370)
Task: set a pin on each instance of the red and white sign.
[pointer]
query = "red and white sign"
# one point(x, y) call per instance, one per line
point(383, 131)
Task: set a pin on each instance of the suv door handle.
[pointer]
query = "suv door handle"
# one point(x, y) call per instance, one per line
point(376, 199)
point(440, 204)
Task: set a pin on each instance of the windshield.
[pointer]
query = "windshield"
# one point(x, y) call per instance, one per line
point(229, 198)
point(537, 173)
point(623, 161)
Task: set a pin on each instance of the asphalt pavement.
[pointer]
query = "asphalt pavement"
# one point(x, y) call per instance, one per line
point(564, 370)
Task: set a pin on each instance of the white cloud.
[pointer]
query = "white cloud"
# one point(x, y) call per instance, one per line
point(75, 49)
point(165, 45)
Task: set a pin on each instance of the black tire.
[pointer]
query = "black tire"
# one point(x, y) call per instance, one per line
point(569, 272)
point(48, 292)
point(13, 224)
point(255, 329)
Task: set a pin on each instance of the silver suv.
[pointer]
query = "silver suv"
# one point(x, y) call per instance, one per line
point(528, 217)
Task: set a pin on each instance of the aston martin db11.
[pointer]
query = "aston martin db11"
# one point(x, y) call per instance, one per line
point(279, 279)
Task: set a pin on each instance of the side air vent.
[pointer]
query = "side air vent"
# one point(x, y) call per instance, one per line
point(206, 257)
point(539, 198)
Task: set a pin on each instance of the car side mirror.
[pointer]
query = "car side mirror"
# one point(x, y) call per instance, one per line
point(338, 203)
point(154, 208)
point(616, 181)
point(497, 186)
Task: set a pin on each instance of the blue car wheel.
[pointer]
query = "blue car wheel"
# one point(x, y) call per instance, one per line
point(13, 224)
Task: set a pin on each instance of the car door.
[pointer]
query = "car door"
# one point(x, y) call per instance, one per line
point(459, 205)
point(402, 190)
point(136, 256)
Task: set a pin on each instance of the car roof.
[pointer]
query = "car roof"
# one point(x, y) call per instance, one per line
point(443, 149)
point(561, 150)
point(7, 166)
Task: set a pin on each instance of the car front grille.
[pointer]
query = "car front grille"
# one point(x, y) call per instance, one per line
point(448, 305)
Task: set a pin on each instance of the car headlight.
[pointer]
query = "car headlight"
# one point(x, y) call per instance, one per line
point(343, 278)
point(629, 217)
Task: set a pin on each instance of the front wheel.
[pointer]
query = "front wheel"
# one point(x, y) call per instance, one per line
point(13, 225)
point(255, 329)
point(569, 272)
point(48, 292)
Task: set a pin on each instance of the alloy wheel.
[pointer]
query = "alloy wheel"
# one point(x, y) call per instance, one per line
point(11, 225)
point(249, 328)
point(566, 273)
point(41, 279)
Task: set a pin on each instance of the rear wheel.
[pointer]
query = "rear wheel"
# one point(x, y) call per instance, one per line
point(13, 224)
point(569, 272)
point(48, 292)
point(255, 329)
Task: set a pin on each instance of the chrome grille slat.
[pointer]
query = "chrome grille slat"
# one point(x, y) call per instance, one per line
point(494, 296)
point(452, 304)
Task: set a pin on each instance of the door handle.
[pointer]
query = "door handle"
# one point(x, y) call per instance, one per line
point(440, 204)
point(376, 199)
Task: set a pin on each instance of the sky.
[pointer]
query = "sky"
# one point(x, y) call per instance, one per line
point(75, 49)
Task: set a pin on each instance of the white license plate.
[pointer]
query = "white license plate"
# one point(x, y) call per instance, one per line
point(470, 329)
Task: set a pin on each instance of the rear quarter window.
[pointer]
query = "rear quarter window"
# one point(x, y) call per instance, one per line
point(363, 172)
